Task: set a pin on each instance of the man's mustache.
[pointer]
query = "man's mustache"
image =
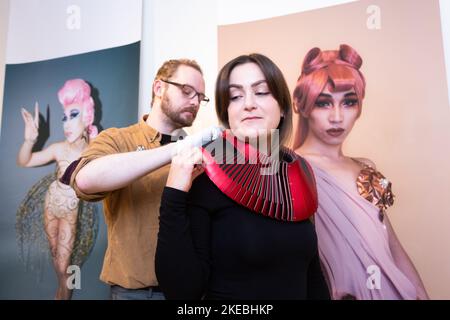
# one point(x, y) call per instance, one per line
point(192, 110)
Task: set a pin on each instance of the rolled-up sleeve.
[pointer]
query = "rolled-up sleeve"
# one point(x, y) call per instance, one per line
point(106, 143)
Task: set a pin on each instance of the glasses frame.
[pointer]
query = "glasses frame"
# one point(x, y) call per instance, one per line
point(202, 98)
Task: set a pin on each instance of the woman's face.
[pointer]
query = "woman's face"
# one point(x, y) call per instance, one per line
point(333, 115)
point(72, 122)
point(253, 111)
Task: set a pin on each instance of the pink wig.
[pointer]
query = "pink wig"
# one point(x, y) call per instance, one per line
point(339, 68)
point(79, 92)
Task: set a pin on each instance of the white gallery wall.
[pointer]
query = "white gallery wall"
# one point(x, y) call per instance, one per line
point(71, 27)
point(177, 29)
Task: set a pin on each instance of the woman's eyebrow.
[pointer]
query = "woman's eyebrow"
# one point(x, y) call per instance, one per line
point(238, 86)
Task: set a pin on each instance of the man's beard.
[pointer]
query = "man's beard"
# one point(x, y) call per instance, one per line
point(176, 115)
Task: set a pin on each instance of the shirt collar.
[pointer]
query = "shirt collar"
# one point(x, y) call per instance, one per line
point(151, 134)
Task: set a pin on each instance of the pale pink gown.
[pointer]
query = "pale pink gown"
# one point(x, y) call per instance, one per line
point(353, 242)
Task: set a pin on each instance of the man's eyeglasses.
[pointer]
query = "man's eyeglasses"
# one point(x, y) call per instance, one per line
point(189, 92)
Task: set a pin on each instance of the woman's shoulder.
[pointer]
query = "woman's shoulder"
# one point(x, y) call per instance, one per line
point(57, 148)
point(365, 161)
point(305, 154)
point(59, 145)
point(308, 157)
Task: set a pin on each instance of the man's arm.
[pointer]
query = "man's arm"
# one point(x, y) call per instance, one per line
point(112, 170)
point(115, 171)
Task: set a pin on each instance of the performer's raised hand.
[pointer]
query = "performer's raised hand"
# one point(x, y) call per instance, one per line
point(31, 124)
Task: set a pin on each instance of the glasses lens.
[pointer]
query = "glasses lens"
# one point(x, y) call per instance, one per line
point(188, 91)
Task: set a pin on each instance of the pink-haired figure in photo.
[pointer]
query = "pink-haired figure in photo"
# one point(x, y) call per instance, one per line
point(360, 254)
point(61, 207)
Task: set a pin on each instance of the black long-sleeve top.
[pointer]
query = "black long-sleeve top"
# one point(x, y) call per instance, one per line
point(211, 247)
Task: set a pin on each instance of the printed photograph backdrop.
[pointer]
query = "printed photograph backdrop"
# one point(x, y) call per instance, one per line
point(113, 75)
point(405, 123)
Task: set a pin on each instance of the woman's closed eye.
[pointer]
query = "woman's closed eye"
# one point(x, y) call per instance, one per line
point(235, 94)
point(261, 89)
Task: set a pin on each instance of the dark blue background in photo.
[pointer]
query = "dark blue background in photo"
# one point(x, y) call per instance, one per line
point(114, 77)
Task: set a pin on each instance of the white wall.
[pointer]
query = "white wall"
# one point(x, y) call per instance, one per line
point(179, 29)
point(40, 32)
point(4, 16)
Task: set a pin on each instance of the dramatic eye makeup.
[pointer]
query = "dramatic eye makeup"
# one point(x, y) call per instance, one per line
point(326, 100)
point(72, 115)
point(351, 99)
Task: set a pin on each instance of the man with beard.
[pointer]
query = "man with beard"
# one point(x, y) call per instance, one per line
point(126, 169)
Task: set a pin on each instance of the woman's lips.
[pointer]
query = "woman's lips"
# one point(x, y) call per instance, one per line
point(335, 132)
point(251, 118)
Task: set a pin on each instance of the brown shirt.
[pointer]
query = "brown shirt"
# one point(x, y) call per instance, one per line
point(131, 213)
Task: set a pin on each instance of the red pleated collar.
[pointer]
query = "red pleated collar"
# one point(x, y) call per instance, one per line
point(281, 187)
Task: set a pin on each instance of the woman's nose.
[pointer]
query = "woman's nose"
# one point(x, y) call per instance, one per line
point(249, 102)
point(336, 114)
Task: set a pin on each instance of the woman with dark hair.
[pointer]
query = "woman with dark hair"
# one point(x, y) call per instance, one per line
point(241, 229)
point(360, 253)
